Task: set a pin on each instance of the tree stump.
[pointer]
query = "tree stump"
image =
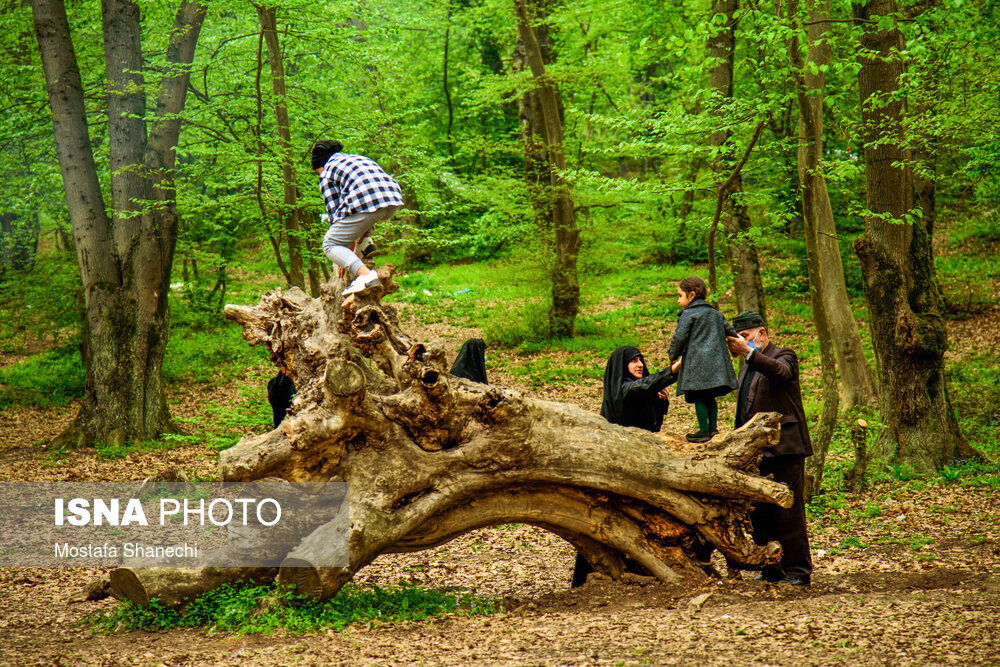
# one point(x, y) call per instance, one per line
point(427, 457)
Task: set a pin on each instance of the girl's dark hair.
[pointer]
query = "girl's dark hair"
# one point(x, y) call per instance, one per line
point(696, 285)
point(322, 151)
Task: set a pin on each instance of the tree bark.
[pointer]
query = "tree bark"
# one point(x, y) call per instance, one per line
point(816, 210)
point(427, 457)
point(827, 277)
point(290, 213)
point(741, 252)
point(904, 303)
point(125, 261)
point(544, 161)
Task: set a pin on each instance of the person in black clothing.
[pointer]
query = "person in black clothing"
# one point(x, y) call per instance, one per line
point(471, 361)
point(280, 391)
point(632, 397)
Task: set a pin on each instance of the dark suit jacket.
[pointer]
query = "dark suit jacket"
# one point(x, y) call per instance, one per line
point(775, 388)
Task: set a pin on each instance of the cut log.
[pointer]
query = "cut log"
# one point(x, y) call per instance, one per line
point(428, 456)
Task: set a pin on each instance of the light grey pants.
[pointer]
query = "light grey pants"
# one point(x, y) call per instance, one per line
point(346, 231)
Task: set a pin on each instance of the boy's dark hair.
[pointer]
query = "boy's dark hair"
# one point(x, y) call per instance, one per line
point(696, 285)
point(322, 151)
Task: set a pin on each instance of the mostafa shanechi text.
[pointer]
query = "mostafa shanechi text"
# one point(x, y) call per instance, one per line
point(127, 550)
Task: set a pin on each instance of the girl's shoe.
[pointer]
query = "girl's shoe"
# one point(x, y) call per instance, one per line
point(362, 283)
point(698, 436)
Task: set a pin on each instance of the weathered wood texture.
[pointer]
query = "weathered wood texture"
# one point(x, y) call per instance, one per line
point(428, 456)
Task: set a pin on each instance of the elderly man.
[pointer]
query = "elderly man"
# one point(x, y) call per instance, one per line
point(769, 382)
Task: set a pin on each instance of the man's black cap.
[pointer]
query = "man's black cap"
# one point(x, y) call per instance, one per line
point(748, 319)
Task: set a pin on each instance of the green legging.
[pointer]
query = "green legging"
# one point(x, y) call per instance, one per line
point(707, 411)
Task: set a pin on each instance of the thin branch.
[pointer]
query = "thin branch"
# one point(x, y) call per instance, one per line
point(724, 192)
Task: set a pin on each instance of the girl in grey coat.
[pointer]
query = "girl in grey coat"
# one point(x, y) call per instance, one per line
point(707, 371)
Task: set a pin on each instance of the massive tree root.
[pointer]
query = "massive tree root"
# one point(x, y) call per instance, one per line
point(428, 456)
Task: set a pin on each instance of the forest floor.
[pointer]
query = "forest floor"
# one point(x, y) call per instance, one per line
point(907, 571)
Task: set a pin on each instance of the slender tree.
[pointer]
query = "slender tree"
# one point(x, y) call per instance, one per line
point(544, 161)
point(816, 211)
point(291, 213)
point(740, 249)
point(124, 260)
point(829, 287)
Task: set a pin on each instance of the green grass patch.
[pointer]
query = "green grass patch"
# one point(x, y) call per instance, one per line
point(826, 504)
point(213, 354)
point(853, 543)
point(545, 372)
point(245, 609)
point(50, 378)
point(225, 425)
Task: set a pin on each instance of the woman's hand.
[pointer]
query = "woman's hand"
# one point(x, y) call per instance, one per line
point(663, 394)
point(676, 366)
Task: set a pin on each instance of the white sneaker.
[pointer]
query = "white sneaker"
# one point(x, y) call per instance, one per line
point(362, 283)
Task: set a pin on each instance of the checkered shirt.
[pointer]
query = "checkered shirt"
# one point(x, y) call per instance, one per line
point(355, 184)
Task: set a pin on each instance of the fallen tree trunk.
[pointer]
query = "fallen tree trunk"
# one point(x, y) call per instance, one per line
point(428, 456)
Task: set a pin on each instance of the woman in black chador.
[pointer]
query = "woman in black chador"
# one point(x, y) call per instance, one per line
point(471, 361)
point(632, 397)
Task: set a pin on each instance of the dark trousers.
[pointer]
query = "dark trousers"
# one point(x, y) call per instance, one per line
point(785, 526)
point(580, 570)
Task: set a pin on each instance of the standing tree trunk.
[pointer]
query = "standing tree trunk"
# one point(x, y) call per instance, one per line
point(740, 250)
point(816, 211)
point(822, 249)
point(904, 304)
point(544, 162)
point(124, 261)
point(290, 214)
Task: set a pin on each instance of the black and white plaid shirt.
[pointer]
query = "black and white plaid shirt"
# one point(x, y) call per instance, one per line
point(355, 184)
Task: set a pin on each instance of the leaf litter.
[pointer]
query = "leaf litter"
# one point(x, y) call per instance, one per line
point(904, 574)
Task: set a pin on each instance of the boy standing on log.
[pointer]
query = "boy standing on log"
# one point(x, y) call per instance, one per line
point(769, 382)
point(357, 193)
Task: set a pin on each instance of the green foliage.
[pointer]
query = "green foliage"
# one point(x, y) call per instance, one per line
point(902, 472)
point(223, 426)
point(51, 378)
point(40, 305)
point(510, 327)
point(826, 503)
point(208, 353)
point(108, 452)
point(853, 543)
point(974, 390)
point(873, 510)
point(247, 609)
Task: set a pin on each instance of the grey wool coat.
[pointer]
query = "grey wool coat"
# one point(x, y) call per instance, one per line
point(701, 339)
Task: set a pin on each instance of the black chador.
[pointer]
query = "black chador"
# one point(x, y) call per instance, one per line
point(280, 391)
point(629, 401)
point(471, 361)
point(632, 401)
